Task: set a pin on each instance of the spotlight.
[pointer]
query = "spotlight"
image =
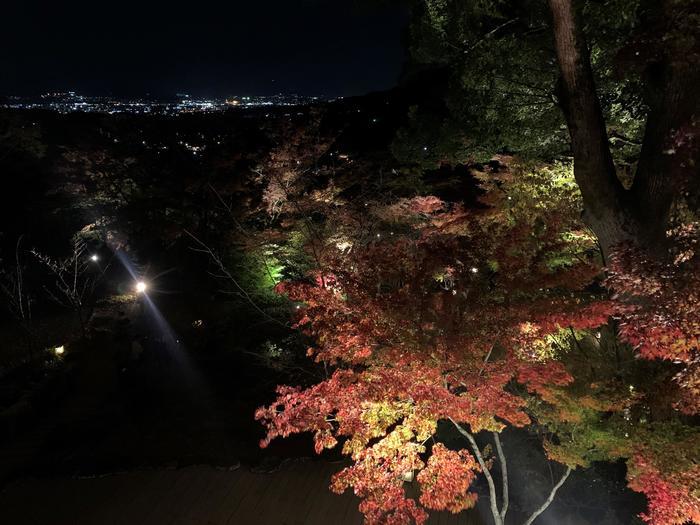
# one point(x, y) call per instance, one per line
point(141, 287)
point(94, 257)
point(59, 350)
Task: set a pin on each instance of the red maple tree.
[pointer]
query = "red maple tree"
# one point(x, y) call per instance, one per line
point(427, 316)
point(425, 312)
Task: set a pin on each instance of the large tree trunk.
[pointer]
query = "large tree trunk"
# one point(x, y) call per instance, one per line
point(641, 214)
point(668, 159)
point(602, 192)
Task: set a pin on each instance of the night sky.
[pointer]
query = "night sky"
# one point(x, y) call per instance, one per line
point(202, 47)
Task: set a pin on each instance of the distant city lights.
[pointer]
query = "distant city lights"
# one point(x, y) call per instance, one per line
point(70, 101)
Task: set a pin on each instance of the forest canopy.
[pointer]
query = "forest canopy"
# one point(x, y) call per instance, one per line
point(563, 300)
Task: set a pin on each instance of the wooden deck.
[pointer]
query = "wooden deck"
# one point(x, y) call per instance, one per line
point(297, 494)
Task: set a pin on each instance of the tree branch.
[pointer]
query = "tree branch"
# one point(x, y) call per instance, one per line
point(550, 498)
point(487, 473)
point(229, 276)
point(504, 474)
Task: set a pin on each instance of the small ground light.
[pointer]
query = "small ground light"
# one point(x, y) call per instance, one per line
point(474, 269)
point(141, 287)
point(94, 257)
point(59, 350)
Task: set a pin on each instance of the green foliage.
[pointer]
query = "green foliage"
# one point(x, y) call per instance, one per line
point(257, 272)
point(295, 260)
point(406, 182)
point(503, 79)
point(429, 139)
point(614, 410)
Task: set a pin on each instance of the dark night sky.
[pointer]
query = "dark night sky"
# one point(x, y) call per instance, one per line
point(204, 47)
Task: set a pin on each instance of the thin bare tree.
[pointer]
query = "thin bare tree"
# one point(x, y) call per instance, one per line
point(17, 298)
point(75, 279)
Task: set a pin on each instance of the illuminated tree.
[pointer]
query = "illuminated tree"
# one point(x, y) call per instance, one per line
point(426, 312)
point(623, 75)
point(73, 280)
point(425, 316)
point(429, 312)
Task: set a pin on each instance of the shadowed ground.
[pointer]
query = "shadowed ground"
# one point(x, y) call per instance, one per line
point(185, 410)
point(296, 494)
point(195, 406)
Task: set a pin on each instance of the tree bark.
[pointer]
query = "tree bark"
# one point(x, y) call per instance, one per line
point(497, 520)
point(504, 475)
point(594, 169)
point(550, 498)
point(672, 76)
point(641, 214)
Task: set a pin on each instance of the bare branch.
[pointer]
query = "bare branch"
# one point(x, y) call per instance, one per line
point(487, 473)
point(550, 498)
point(504, 474)
point(227, 275)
